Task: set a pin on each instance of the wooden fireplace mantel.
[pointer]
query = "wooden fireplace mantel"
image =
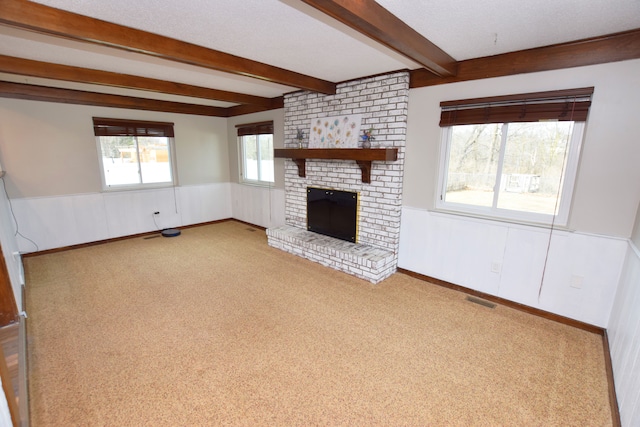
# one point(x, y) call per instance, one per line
point(363, 157)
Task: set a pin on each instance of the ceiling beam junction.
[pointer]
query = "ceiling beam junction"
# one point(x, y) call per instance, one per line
point(579, 53)
point(377, 23)
point(55, 22)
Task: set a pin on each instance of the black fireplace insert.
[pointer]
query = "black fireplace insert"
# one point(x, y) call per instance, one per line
point(333, 213)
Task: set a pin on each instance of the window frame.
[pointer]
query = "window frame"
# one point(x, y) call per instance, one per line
point(494, 212)
point(567, 105)
point(104, 127)
point(257, 130)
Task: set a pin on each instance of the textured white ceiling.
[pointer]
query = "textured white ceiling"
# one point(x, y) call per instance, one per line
point(28, 45)
point(288, 34)
point(471, 29)
point(291, 35)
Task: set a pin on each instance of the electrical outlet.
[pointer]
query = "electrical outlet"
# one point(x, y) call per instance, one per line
point(576, 281)
point(496, 267)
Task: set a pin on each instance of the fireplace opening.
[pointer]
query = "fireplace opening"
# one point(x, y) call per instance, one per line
point(333, 213)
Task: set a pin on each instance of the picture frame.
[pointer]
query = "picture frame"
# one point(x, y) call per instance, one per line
point(335, 131)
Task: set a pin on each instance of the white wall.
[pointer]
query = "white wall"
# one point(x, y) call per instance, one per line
point(53, 177)
point(463, 250)
point(49, 149)
point(635, 236)
point(263, 206)
point(624, 339)
point(59, 221)
point(624, 334)
point(606, 195)
point(508, 261)
point(10, 249)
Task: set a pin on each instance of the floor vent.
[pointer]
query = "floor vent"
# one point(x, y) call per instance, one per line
point(151, 237)
point(251, 229)
point(481, 302)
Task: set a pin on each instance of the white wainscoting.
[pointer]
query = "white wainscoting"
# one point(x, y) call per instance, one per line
point(53, 222)
point(508, 261)
point(263, 206)
point(204, 203)
point(624, 339)
point(10, 249)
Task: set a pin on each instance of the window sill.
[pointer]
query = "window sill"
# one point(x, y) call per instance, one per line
point(503, 220)
point(262, 184)
point(119, 188)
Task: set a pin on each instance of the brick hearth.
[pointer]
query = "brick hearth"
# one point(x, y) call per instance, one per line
point(363, 261)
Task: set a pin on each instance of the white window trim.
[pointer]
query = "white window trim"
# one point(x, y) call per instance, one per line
point(129, 187)
point(241, 178)
point(530, 218)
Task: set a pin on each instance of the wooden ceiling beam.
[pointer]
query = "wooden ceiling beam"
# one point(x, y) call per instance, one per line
point(47, 20)
point(239, 110)
point(47, 70)
point(71, 96)
point(597, 50)
point(377, 23)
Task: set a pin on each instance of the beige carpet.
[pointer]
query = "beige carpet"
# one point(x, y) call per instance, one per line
point(216, 328)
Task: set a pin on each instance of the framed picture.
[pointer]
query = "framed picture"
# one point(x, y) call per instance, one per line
point(335, 132)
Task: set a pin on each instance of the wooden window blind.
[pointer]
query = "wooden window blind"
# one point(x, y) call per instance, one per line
point(259, 128)
point(560, 105)
point(122, 127)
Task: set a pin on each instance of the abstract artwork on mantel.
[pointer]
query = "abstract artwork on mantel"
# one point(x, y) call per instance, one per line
point(335, 132)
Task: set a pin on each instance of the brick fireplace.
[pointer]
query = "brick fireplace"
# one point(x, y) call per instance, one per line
point(382, 101)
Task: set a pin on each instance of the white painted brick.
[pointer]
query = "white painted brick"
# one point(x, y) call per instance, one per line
point(384, 108)
point(396, 125)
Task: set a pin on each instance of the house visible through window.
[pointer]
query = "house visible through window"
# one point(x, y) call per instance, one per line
point(512, 157)
point(134, 154)
point(256, 152)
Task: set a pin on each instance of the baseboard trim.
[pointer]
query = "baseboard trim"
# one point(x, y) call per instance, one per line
point(116, 239)
point(259, 227)
point(613, 401)
point(613, 398)
point(531, 310)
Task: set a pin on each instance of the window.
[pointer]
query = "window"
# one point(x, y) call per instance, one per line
point(134, 154)
point(256, 153)
point(512, 157)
